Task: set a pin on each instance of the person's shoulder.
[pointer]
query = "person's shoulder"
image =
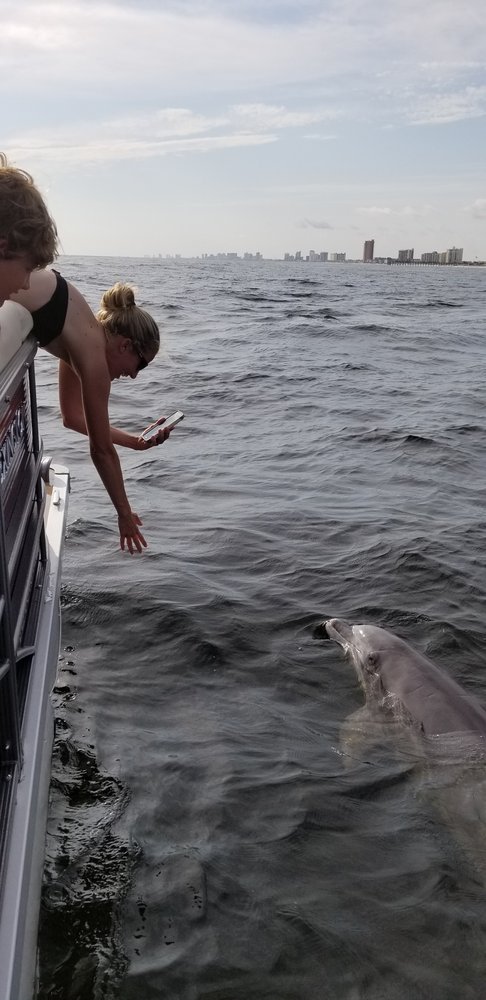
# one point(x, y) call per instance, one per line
point(42, 284)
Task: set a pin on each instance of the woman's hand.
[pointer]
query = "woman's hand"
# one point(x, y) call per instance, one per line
point(130, 535)
point(159, 438)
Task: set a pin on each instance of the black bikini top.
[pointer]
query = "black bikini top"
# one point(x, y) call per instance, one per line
point(49, 319)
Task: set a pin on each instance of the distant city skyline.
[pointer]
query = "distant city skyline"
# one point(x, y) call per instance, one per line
point(452, 256)
point(193, 125)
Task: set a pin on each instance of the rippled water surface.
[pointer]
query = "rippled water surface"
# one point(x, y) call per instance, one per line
point(209, 838)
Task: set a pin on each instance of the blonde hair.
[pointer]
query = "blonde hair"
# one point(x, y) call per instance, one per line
point(25, 223)
point(121, 317)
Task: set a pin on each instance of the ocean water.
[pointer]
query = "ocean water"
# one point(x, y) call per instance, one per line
point(209, 838)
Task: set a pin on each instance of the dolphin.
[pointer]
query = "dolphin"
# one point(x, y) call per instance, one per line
point(444, 729)
point(405, 682)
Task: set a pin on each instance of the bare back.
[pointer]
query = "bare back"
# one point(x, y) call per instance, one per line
point(81, 343)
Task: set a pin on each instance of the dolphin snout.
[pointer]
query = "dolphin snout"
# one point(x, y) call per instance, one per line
point(335, 629)
point(320, 630)
point(338, 630)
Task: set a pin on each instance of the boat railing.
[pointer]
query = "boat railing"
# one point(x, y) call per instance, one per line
point(31, 540)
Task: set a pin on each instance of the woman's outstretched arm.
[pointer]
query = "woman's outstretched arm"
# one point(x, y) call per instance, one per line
point(72, 412)
point(94, 388)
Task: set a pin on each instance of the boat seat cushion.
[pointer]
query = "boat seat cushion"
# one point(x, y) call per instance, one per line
point(15, 325)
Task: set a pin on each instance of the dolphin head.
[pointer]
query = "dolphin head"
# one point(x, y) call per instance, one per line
point(413, 687)
point(364, 645)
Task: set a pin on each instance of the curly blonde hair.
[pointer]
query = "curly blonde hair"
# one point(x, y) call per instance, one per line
point(25, 223)
point(121, 317)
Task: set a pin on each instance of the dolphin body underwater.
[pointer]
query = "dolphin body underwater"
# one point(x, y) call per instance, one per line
point(444, 727)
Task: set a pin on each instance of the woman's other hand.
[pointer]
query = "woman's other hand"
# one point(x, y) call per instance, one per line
point(131, 537)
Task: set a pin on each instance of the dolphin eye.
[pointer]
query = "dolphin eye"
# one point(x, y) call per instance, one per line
point(371, 662)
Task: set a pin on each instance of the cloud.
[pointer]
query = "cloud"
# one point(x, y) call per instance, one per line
point(239, 47)
point(267, 116)
point(161, 132)
point(446, 68)
point(107, 81)
point(164, 123)
point(318, 136)
point(375, 210)
point(206, 47)
point(415, 211)
point(314, 224)
point(35, 37)
point(97, 151)
point(441, 109)
point(477, 209)
point(405, 210)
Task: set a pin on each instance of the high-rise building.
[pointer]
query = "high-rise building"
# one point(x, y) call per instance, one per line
point(368, 250)
point(454, 256)
point(405, 256)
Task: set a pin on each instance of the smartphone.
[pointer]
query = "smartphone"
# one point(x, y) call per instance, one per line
point(167, 425)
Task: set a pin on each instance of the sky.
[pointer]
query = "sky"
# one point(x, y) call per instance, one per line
point(190, 127)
